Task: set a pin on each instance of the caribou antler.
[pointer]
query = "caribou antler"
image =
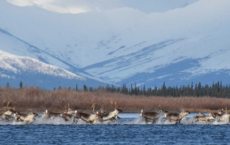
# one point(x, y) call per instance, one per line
point(29, 111)
point(182, 107)
point(65, 108)
point(112, 102)
point(117, 107)
point(3, 103)
point(115, 104)
point(6, 105)
point(93, 106)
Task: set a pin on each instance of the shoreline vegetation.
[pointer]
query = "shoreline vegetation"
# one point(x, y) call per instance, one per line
point(36, 99)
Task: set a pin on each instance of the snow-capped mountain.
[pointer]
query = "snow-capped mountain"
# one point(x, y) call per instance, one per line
point(20, 66)
point(123, 41)
point(17, 64)
point(33, 72)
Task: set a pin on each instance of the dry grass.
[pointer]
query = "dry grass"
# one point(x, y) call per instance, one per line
point(39, 100)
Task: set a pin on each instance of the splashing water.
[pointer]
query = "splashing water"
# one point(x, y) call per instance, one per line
point(126, 119)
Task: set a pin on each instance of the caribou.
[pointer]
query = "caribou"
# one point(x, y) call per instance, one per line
point(68, 110)
point(202, 117)
point(219, 114)
point(10, 111)
point(175, 116)
point(224, 116)
point(49, 114)
point(66, 116)
point(7, 115)
point(88, 118)
point(28, 118)
point(112, 116)
point(150, 116)
point(19, 116)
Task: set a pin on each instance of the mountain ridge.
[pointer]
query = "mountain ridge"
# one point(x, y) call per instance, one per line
point(126, 45)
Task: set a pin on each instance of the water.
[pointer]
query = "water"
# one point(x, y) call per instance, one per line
point(128, 130)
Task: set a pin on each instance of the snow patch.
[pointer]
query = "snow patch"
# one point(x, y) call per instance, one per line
point(19, 64)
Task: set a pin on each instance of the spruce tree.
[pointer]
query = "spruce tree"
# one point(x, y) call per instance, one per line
point(21, 85)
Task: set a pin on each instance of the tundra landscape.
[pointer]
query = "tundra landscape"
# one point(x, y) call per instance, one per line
point(114, 72)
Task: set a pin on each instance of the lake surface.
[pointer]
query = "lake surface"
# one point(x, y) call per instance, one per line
point(128, 130)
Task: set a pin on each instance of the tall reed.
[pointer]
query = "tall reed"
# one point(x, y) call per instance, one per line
point(39, 100)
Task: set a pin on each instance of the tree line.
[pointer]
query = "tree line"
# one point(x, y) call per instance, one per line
point(191, 90)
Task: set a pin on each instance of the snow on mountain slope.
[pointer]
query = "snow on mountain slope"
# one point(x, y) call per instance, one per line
point(82, 6)
point(17, 64)
point(126, 44)
point(70, 37)
point(15, 46)
point(196, 34)
point(32, 72)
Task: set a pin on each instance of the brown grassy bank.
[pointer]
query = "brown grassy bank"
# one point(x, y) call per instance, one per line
point(39, 100)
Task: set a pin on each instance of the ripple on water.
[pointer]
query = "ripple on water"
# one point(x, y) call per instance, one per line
point(124, 131)
point(112, 134)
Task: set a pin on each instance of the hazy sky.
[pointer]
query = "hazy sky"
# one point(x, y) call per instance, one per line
point(81, 6)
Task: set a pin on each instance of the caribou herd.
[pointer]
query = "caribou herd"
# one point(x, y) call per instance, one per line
point(102, 116)
point(67, 115)
point(220, 115)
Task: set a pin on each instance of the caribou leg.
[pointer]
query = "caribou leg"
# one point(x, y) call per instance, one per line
point(153, 121)
point(75, 120)
point(117, 117)
point(195, 120)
